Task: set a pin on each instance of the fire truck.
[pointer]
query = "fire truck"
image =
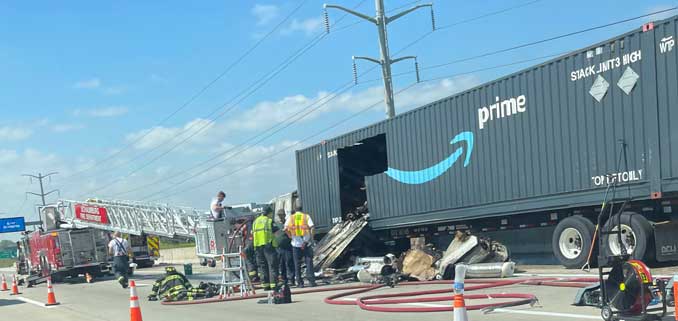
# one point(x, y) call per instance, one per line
point(57, 252)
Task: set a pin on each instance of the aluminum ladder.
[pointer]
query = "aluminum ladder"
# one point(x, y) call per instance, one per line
point(234, 276)
point(133, 217)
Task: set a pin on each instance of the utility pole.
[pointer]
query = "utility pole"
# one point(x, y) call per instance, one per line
point(381, 21)
point(42, 193)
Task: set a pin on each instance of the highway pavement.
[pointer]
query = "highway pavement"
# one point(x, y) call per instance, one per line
point(106, 300)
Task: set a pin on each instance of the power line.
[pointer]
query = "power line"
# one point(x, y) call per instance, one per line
point(275, 153)
point(529, 44)
point(335, 94)
point(257, 85)
point(504, 65)
point(198, 93)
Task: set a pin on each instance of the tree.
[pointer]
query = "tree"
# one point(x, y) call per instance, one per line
point(7, 244)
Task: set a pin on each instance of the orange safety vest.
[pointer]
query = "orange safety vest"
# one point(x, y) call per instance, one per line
point(299, 226)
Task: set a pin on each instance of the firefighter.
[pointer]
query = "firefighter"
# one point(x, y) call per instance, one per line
point(174, 286)
point(265, 249)
point(299, 227)
point(119, 248)
point(250, 256)
point(286, 264)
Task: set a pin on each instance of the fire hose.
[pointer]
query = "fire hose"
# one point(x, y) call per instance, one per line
point(377, 302)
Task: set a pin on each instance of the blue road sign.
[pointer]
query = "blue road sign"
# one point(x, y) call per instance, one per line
point(12, 224)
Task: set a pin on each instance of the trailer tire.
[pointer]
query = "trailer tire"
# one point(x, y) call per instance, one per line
point(572, 240)
point(638, 232)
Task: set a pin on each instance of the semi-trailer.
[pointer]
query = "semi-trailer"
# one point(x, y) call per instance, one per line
point(526, 158)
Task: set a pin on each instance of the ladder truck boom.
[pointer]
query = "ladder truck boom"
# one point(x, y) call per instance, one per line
point(131, 217)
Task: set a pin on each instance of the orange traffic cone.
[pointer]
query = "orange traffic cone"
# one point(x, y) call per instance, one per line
point(15, 288)
point(134, 309)
point(459, 305)
point(4, 284)
point(675, 296)
point(51, 299)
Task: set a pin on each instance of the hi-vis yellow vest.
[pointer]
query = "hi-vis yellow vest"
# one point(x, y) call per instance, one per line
point(262, 231)
point(299, 225)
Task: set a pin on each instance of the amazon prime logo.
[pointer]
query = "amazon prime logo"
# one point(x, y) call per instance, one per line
point(431, 173)
point(501, 109)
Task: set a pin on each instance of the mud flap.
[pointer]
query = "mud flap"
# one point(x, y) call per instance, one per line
point(666, 241)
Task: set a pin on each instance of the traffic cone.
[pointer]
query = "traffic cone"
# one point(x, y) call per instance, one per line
point(675, 296)
point(4, 284)
point(51, 299)
point(459, 305)
point(15, 288)
point(134, 309)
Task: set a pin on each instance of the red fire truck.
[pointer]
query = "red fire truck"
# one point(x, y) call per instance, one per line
point(62, 252)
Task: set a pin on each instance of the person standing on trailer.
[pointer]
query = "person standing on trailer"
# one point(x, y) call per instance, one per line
point(265, 249)
point(299, 227)
point(119, 249)
point(286, 263)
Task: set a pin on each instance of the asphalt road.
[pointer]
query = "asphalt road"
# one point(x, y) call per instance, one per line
point(106, 300)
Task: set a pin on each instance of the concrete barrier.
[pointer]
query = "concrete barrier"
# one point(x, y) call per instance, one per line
point(178, 256)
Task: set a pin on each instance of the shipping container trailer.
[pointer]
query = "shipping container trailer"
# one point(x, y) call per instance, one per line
point(534, 150)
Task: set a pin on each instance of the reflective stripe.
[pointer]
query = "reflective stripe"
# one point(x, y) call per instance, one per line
point(300, 224)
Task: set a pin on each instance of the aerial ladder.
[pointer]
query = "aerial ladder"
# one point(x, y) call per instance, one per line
point(214, 238)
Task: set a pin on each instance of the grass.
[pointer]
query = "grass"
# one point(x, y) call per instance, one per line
point(6, 263)
point(167, 246)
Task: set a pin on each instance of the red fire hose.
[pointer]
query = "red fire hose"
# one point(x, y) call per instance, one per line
point(376, 302)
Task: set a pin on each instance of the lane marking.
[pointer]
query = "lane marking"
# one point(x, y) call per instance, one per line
point(549, 314)
point(40, 304)
point(541, 313)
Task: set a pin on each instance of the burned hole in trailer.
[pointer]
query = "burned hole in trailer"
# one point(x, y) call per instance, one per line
point(365, 158)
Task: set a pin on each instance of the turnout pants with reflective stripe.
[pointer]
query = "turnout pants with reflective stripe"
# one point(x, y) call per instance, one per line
point(267, 259)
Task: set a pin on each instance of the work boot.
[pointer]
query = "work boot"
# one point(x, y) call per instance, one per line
point(300, 285)
point(312, 284)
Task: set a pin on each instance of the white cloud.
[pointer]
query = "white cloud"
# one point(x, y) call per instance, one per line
point(7, 155)
point(159, 78)
point(9, 133)
point(267, 113)
point(63, 128)
point(150, 138)
point(113, 90)
point(265, 13)
point(92, 83)
point(308, 26)
point(103, 112)
point(98, 85)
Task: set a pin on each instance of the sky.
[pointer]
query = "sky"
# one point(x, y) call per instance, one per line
point(164, 100)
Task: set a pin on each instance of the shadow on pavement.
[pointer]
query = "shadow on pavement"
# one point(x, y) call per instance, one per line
point(9, 302)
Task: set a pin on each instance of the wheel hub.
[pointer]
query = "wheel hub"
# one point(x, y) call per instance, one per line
point(570, 243)
point(628, 238)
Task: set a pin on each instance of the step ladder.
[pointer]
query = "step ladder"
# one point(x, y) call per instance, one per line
point(235, 277)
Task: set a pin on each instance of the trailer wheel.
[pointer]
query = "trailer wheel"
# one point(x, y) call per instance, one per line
point(212, 263)
point(636, 233)
point(572, 241)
